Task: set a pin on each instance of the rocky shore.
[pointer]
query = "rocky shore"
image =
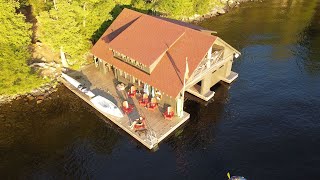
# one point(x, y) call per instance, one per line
point(216, 11)
point(50, 70)
point(38, 95)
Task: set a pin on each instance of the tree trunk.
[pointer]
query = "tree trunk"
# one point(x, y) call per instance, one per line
point(55, 5)
point(63, 58)
point(84, 19)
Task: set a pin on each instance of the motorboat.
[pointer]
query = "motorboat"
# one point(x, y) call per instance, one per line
point(78, 85)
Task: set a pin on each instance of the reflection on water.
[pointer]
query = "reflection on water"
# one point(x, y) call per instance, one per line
point(263, 126)
point(309, 45)
point(199, 132)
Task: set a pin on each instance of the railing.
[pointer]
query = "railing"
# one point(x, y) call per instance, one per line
point(216, 57)
point(207, 63)
point(152, 137)
point(150, 133)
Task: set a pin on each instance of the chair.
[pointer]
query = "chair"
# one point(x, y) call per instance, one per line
point(132, 92)
point(169, 113)
point(126, 107)
point(140, 124)
point(152, 104)
point(144, 100)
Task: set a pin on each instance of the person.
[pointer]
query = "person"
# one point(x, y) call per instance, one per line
point(121, 87)
point(158, 95)
point(139, 121)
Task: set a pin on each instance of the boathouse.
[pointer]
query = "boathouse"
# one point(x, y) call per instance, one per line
point(164, 57)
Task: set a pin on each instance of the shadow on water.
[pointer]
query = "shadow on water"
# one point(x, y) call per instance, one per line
point(61, 130)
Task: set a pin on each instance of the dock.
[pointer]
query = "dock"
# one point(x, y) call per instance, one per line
point(104, 84)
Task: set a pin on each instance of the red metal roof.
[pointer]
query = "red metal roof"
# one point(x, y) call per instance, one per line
point(144, 38)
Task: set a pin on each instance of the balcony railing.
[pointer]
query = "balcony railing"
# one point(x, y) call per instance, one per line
point(216, 57)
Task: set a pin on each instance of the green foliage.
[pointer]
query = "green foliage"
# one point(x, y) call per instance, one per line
point(176, 8)
point(71, 25)
point(15, 75)
point(61, 28)
point(142, 4)
point(202, 6)
point(98, 14)
point(40, 5)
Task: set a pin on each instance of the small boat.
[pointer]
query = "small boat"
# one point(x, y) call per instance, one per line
point(235, 177)
point(78, 85)
point(106, 106)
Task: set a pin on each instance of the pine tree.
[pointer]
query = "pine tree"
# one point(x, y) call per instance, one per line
point(15, 75)
point(176, 8)
point(60, 28)
point(70, 25)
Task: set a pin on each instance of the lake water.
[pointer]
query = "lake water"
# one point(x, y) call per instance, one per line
point(266, 125)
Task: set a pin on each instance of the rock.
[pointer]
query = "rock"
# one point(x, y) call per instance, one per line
point(47, 88)
point(40, 97)
point(196, 16)
point(221, 11)
point(39, 101)
point(214, 12)
point(207, 16)
point(42, 90)
point(46, 94)
point(39, 43)
point(36, 92)
point(30, 97)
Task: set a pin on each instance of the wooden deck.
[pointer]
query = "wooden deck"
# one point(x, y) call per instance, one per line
point(102, 84)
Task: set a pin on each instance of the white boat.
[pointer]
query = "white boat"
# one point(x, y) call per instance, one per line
point(78, 85)
point(235, 177)
point(106, 106)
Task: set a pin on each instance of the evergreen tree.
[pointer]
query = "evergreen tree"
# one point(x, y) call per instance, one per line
point(176, 8)
point(15, 75)
point(70, 25)
point(60, 28)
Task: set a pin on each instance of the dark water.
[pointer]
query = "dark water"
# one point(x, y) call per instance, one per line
point(266, 125)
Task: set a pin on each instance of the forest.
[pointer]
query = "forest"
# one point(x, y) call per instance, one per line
point(70, 26)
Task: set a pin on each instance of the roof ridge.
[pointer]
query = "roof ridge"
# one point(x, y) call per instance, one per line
point(159, 18)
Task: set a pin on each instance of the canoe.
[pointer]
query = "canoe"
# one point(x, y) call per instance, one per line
point(78, 85)
point(106, 106)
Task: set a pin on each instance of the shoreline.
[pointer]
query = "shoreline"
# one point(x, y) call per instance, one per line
point(38, 94)
point(50, 70)
point(41, 93)
point(216, 11)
